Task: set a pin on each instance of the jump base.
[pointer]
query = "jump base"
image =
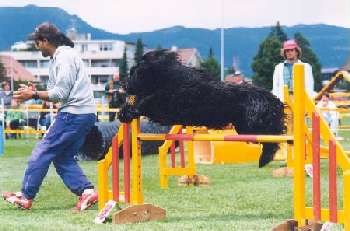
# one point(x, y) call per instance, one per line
point(138, 213)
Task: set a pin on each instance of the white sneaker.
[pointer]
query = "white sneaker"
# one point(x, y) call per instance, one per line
point(87, 199)
point(104, 213)
point(309, 170)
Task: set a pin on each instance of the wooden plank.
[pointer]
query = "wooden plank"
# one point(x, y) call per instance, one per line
point(311, 226)
point(289, 225)
point(316, 180)
point(332, 182)
point(138, 213)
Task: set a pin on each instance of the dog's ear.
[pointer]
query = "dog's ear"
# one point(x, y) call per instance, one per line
point(163, 56)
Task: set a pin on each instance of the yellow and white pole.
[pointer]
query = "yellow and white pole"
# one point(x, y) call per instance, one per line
point(346, 200)
point(299, 143)
point(136, 193)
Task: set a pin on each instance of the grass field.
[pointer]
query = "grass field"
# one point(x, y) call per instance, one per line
point(240, 197)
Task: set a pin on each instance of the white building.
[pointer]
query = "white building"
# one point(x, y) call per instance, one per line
point(102, 57)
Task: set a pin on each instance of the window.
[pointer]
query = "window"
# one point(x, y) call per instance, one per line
point(44, 78)
point(98, 94)
point(100, 79)
point(86, 62)
point(94, 79)
point(116, 62)
point(44, 63)
point(104, 78)
point(106, 47)
point(29, 63)
point(84, 47)
point(101, 63)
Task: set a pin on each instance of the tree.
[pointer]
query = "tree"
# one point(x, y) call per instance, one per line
point(123, 68)
point(268, 56)
point(265, 61)
point(278, 32)
point(211, 53)
point(139, 51)
point(159, 47)
point(310, 57)
point(231, 70)
point(211, 66)
point(2, 73)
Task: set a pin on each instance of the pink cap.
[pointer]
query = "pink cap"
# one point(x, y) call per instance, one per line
point(290, 44)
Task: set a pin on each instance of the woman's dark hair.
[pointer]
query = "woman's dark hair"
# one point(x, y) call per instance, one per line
point(4, 83)
point(50, 32)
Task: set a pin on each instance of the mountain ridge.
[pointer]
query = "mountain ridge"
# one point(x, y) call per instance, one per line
point(330, 43)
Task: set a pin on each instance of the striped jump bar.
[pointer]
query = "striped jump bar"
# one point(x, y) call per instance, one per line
point(217, 137)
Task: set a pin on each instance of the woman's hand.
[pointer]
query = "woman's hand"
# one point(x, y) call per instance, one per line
point(23, 93)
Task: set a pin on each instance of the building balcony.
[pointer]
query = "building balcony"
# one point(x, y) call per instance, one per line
point(102, 54)
point(102, 70)
point(98, 87)
point(25, 55)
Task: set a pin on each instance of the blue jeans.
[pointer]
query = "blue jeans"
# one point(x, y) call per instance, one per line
point(62, 142)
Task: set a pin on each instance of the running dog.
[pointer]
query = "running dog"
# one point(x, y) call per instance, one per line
point(169, 93)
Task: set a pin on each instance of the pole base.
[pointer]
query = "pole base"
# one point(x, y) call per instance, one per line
point(195, 180)
point(138, 213)
point(292, 225)
point(289, 225)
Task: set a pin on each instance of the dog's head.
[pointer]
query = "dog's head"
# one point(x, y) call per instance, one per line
point(151, 73)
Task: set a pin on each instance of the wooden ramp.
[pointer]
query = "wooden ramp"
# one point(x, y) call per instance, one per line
point(292, 225)
point(138, 213)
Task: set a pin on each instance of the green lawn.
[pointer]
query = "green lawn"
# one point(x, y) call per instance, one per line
point(240, 197)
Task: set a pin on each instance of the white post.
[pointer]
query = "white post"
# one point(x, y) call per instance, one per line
point(222, 41)
point(11, 74)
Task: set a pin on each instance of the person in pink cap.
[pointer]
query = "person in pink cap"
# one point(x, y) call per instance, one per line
point(283, 73)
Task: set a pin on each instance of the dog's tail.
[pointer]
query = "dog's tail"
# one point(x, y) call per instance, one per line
point(268, 153)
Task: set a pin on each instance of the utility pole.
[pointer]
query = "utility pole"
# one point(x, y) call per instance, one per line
point(11, 73)
point(222, 41)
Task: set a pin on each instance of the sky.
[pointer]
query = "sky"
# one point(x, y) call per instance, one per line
point(126, 16)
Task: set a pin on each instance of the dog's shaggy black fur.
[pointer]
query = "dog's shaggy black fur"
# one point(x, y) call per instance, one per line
point(99, 139)
point(169, 93)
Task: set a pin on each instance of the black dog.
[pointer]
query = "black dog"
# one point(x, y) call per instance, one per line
point(169, 93)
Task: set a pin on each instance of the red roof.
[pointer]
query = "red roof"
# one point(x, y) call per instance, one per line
point(15, 69)
point(238, 79)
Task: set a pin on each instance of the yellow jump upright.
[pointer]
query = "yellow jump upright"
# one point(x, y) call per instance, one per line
point(299, 144)
point(103, 166)
point(304, 105)
point(164, 170)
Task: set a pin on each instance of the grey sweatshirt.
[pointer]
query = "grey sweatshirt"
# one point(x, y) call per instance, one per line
point(69, 82)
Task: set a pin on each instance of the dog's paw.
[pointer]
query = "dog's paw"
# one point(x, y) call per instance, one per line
point(125, 116)
point(127, 113)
